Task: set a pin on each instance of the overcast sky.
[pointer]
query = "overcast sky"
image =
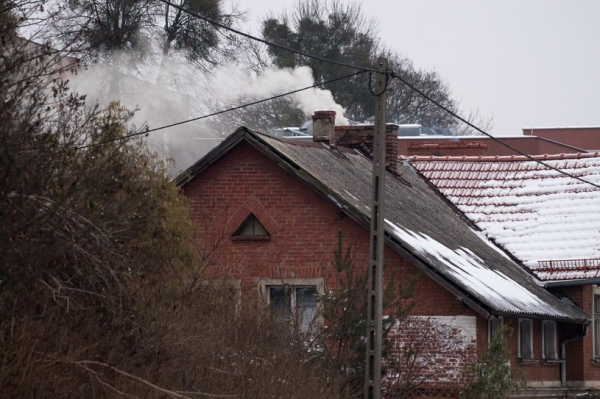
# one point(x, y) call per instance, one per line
point(527, 63)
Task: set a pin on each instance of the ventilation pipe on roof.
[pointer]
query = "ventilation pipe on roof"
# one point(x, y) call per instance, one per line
point(563, 350)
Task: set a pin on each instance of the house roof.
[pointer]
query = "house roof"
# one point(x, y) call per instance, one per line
point(420, 225)
point(548, 221)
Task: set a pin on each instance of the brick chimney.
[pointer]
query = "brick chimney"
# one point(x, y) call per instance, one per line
point(363, 136)
point(324, 126)
point(360, 137)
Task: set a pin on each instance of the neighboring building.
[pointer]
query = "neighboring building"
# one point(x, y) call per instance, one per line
point(270, 210)
point(481, 146)
point(547, 221)
point(586, 138)
point(534, 141)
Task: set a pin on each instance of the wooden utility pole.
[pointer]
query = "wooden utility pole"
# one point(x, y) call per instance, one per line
point(375, 288)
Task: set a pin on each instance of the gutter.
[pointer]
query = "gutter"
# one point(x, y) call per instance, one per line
point(563, 349)
point(567, 283)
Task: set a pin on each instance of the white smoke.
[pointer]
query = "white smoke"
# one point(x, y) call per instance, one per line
point(230, 84)
point(227, 86)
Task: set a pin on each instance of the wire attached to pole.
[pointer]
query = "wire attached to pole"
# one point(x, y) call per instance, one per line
point(388, 72)
point(454, 114)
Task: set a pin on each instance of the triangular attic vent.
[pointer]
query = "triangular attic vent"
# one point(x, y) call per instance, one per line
point(251, 228)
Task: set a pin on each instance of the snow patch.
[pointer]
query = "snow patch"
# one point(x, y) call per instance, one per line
point(471, 270)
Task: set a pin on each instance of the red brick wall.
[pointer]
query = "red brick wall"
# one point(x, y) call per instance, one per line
point(584, 138)
point(303, 227)
point(363, 136)
point(458, 148)
point(580, 354)
point(536, 370)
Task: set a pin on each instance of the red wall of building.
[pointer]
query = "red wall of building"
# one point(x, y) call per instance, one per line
point(304, 231)
point(580, 354)
point(586, 138)
point(303, 227)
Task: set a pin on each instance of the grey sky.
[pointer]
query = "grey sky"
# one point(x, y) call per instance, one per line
point(524, 62)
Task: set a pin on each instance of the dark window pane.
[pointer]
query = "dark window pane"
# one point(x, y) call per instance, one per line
point(493, 326)
point(251, 227)
point(549, 340)
point(258, 228)
point(280, 301)
point(597, 335)
point(596, 325)
point(306, 297)
point(247, 229)
point(525, 339)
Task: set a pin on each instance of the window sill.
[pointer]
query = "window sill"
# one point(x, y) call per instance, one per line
point(550, 362)
point(251, 238)
point(596, 362)
point(527, 362)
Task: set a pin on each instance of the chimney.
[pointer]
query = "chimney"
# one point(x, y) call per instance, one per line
point(324, 126)
point(363, 136)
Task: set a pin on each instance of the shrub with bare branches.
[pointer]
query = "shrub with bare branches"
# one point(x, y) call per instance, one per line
point(102, 294)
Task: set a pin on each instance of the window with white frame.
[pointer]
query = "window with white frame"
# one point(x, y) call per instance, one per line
point(525, 339)
point(549, 351)
point(296, 300)
point(596, 324)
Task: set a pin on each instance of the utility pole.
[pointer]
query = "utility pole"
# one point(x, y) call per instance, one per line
point(375, 288)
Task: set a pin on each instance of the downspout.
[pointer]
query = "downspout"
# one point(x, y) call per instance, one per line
point(563, 344)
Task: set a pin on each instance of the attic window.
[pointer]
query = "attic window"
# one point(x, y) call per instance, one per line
point(251, 229)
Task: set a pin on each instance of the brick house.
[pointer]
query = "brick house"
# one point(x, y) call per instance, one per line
point(545, 221)
point(272, 208)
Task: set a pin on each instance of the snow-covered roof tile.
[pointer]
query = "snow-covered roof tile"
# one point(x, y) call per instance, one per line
point(549, 221)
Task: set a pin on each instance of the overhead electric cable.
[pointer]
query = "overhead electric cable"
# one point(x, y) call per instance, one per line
point(454, 114)
point(144, 132)
point(268, 43)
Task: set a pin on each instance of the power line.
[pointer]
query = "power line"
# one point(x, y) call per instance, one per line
point(268, 43)
point(128, 136)
point(454, 114)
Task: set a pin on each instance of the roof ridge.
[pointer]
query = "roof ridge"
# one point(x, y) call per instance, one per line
point(500, 158)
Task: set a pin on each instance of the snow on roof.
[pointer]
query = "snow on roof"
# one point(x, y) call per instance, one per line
point(549, 221)
point(473, 271)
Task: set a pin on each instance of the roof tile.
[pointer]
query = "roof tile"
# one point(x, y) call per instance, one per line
point(532, 211)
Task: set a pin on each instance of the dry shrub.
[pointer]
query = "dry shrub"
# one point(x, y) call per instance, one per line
point(179, 344)
point(101, 293)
